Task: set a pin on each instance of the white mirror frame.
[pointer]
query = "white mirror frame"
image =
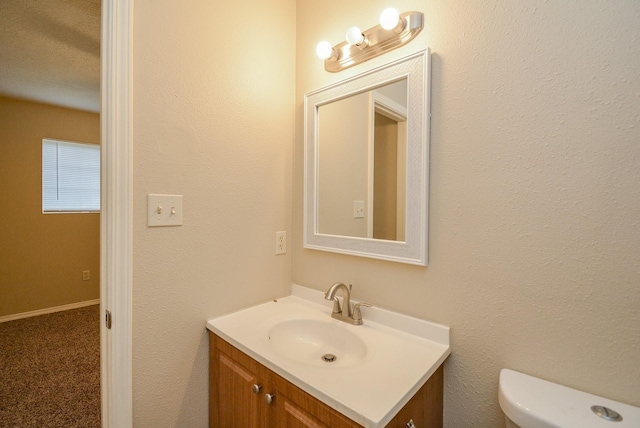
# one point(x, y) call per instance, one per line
point(417, 69)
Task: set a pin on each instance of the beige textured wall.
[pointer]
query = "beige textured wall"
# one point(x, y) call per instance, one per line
point(42, 256)
point(535, 196)
point(344, 144)
point(213, 121)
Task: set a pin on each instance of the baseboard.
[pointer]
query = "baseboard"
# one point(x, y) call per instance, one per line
point(49, 310)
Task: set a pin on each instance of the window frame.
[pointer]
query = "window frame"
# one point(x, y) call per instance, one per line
point(61, 208)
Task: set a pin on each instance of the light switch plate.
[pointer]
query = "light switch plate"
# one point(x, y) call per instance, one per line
point(164, 210)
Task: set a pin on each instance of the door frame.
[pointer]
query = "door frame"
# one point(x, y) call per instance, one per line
point(116, 222)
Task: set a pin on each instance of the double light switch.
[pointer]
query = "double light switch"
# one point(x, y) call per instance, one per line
point(164, 210)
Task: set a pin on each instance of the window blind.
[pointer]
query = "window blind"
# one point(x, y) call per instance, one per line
point(70, 176)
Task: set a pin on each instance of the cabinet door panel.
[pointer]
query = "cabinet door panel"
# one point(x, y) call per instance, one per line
point(294, 408)
point(232, 376)
point(292, 416)
point(238, 398)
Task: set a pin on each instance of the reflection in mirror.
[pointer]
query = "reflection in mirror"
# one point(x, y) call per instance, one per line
point(367, 163)
point(362, 164)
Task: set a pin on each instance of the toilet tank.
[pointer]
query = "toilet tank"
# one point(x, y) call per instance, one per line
point(530, 402)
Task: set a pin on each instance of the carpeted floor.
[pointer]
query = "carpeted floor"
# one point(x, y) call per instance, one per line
point(50, 370)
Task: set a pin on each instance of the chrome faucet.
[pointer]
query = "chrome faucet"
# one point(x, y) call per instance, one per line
point(345, 312)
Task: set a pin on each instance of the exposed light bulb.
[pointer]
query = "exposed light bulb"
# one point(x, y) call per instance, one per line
point(389, 18)
point(354, 36)
point(324, 50)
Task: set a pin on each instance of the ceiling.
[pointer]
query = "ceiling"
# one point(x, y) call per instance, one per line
point(50, 51)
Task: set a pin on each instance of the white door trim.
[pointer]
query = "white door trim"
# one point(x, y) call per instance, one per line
point(116, 213)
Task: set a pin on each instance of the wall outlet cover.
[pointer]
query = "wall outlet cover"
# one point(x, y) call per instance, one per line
point(281, 242)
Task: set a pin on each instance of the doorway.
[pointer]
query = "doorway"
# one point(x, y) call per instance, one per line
point(115, 55)
point(50, 260)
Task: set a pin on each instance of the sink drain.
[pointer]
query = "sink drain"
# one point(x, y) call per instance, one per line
point(329, 358)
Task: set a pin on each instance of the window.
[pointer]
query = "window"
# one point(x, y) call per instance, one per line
point(70, 176)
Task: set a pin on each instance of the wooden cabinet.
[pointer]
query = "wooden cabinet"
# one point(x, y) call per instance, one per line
point(232, 376)
point(239, 386)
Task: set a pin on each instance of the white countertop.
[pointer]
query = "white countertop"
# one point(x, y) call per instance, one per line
point(402, 353)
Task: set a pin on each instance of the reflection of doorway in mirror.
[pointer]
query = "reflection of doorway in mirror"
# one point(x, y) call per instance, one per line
point(389, 178)
point(387, 174)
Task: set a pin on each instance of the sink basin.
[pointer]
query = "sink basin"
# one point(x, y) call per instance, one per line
point(317, 343)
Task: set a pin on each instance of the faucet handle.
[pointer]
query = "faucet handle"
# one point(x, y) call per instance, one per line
point(357, 313)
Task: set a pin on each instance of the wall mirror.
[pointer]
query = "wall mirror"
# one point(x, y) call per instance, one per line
point(367, 163)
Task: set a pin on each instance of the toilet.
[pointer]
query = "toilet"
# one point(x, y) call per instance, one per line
point(529, 402)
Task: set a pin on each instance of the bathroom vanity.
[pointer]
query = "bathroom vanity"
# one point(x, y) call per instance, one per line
point(288, 363)
point(245, 393)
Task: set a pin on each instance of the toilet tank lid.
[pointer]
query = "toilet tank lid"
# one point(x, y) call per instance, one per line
point(536, 403)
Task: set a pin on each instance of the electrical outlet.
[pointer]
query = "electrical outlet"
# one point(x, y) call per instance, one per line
point(86, 275)
point(281, 242)
point(358, 209)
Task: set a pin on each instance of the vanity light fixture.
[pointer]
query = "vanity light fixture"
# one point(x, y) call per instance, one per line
point(394, 30)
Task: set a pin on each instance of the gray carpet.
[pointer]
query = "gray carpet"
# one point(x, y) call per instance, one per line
point(50, 370)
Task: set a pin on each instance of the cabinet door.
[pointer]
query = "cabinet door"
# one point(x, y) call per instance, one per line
point(294, 408)
point(232, 376)
point(425, 407)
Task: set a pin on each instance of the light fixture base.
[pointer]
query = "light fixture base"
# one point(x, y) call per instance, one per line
point(379, 41)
